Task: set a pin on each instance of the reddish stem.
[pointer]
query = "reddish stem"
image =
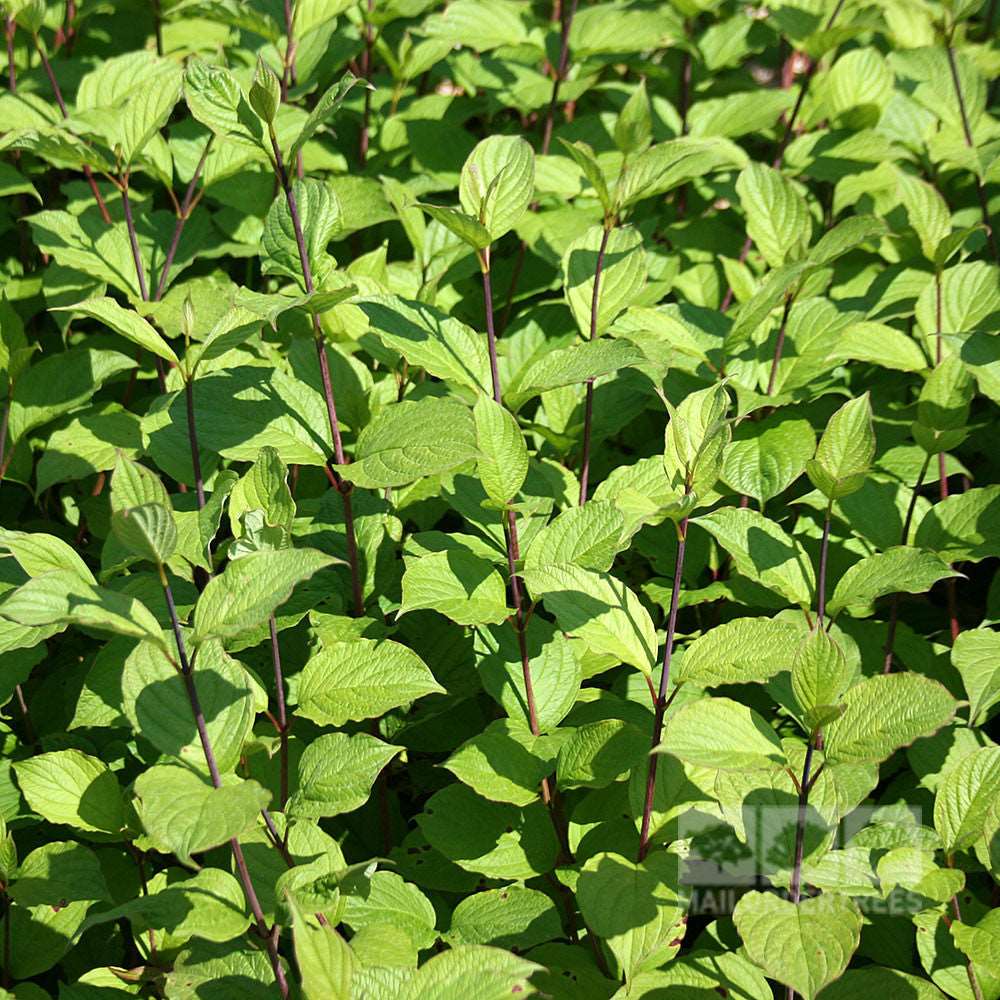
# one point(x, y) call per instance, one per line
point(588, 410)
point(662, 702)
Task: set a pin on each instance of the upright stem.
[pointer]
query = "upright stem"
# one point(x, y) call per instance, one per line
point(795, 886)
point(4, 424)
point(213, 770)
point(140, 271)
point(984, 208)
point(567, 23)
point(513, 555)
point(366, 72)
point(566, 16)
point(780, 345)
point(821, 581)
point(661, 695)
point(588, 409)
point(11, 28)
point(185, 213)
point(956, 909)
point(57, 92)
point(199, 484)
point(279, 687)
point(158, 27)
point(805, 786)
point(949, 584)
point(342, 487)
point(890, 639)
point(288, 74)
point(786, 135)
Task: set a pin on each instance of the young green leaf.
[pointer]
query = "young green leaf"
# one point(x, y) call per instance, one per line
point(845, 451)
point(503, 455)
point(803, 945)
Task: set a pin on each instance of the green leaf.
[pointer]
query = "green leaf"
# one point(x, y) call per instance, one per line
point(61, 597)
point(337, 772)
point(320, 218)
point(147, 109)
point(37, 553)
point(634, 125)
point(184, 815)
point(964, 527)
point(927, 211)
point(498, 182)
point(384, 900)
point(885, 713)
point(251, 588)
point(404, 442)
point(820, 676)
point(323, 111)
point(879, 344)
point(455, 583)
point(598, 753)
point(504, 763)
point(667, 165)
point(762, 551)
point(430, 339)
point(901, 569)
point(623, 274)
point(265, 92)
point(511, 917)
point(803, 945)
point(778, 219)
point(135, 485)
point(845, 451)
point(980, 942)
point(216, 100)
point(467, 228)
point(362, 679)
point(325, 960)
point(471, 969)
point(208, 905)
point(966, 799)
point(743, 651)
point(696, 437)
point(588, 536)
point(571, 365)
point(844, 237)
point(67, 786)
point(503, 454)
point(264, 487)
point(148, 531)
point(495, 839)
point(598, 609)
point(723, 734)
point(155, 702)
point(125, 322)
point(234, 327)
point(636, 908)
point(976, 656)
point(767, 462)
point(583, 156)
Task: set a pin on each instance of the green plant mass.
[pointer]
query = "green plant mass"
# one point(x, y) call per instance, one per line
point(500, 497)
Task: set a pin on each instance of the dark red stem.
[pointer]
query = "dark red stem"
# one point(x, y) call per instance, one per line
point(662, 702)
point(342, 487)
point(779, 346)
point(213, 770)
point(57, 92)
point(588, 406)
point(984, 208)
point(185, 213)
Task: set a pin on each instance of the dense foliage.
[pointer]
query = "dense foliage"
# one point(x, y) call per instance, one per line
point(500, 498)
